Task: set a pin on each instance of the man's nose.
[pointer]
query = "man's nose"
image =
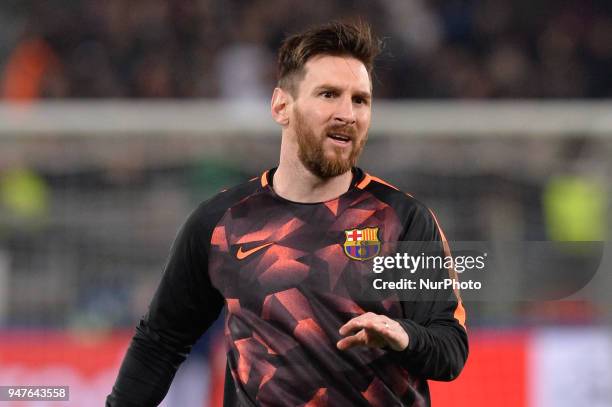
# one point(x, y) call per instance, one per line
point(344, 111)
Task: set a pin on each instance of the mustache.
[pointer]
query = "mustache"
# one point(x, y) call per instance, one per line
point(343, 129)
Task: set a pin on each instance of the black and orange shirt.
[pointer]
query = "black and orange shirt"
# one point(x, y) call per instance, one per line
point(283, 270)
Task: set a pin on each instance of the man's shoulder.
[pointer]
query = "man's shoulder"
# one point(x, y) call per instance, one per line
point(202, 221)
point(226, 198)
point(405, 204)
point(386, 191)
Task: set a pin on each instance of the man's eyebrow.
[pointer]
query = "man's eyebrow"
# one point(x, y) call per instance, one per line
point(362, 94)
point(327, 87)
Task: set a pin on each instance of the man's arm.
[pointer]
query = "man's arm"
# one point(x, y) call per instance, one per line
point(438, 345)
point(435, 349)
point(184, 306)
point(431, 341)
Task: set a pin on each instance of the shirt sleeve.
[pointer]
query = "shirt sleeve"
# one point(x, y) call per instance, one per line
point(435, 324)
point(183, 307)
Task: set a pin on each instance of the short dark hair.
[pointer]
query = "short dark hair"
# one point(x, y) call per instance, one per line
point(336, 38)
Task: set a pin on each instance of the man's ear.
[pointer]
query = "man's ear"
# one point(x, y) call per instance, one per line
point(279, 106)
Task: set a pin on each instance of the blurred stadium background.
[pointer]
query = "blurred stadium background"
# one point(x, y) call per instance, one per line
point(119, 117)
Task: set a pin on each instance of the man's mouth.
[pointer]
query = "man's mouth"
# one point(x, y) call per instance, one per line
point(339, 137)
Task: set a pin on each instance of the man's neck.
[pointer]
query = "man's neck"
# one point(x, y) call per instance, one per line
point(296, 183)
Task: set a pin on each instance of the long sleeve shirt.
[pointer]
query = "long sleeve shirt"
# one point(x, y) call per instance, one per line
point(288, 274)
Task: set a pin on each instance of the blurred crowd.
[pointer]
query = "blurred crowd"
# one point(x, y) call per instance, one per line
point(226, 49)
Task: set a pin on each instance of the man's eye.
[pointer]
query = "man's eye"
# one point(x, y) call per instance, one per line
point(361, 101)
point(327, 94)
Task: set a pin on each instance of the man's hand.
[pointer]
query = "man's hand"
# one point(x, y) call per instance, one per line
point(373, 330)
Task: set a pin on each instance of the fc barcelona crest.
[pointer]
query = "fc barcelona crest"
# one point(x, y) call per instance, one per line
point(361, 244)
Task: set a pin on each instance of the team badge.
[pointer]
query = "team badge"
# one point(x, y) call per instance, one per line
point(361, 244)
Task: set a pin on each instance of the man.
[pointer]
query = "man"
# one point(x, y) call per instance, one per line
point(278, 251)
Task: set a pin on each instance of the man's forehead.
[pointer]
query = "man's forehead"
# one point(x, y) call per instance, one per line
point(344, 71)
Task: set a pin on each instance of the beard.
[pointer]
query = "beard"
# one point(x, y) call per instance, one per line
point(311, 151)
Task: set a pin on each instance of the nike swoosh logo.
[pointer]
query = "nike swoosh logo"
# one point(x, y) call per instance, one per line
point(243, 254)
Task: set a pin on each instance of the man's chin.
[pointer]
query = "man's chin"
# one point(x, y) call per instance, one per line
point(338, 160)
point(334, 168)
point(327, 161)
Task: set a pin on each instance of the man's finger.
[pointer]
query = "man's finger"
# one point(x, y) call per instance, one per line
point(367, 321)
point(352, 323)
point(350, 341)
point(368, 338)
